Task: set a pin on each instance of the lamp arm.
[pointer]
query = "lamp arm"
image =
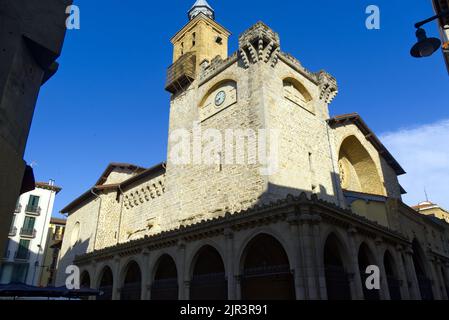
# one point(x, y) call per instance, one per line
point(440, 15)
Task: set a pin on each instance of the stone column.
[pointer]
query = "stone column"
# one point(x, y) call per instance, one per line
point(435, 281)
point(229, 255)
point(446, 269)
point(356, 280)
point(402, 273)
point(413, 285)
point(443, 284)
point(292, 220)
point(306, 237)
point(319, 261)
point(384, 290)
point(146, 276)
point(238, 287)
point(183, 294)
point(116, 281)
point(93, 279)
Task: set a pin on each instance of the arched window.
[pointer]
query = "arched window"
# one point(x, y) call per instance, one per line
point(295, 92)
point(424, 283)
point(132, 284)
point(337, 282)
point(165, 283)
point(106, 283)
point(266, 271)
point(358, 172)
point(208, 279)
point(221, 96)
point(366, 258)
point(75, 236)
point(394, 284)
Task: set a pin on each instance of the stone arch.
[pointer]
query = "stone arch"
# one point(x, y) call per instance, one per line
point(85, 281)
point(335, 261)
point(297, 93)
point(421, 269)
point(250, 236)
point(132, 281)
point(358, 171)
point(106, 283)
point(165, 279)
point(208, 275)
point(392, 273)
point(229, 83)
point(367, 258)
point(266, 272)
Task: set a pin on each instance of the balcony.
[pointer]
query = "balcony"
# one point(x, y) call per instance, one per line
point(18, 208)
point(12, 232)
point(28, 233)
point(22, 255)
point(181, 73)
point(33, 210)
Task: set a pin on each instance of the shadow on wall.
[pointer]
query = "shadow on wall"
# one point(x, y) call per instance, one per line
point(77, 249)
point(273, 193)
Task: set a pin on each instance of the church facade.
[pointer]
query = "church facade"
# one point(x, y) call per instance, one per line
point(263, 194)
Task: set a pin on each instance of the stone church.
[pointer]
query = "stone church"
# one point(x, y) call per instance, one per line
point(228, 230)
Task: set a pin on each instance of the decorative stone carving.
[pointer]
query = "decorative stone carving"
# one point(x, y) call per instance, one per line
point(148, 192)
point(259, 44)
point(328, 87)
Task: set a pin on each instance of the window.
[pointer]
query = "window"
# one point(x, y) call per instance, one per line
point(19, 273)
point(33, 201)
point(295, 92)
point(28, 224)
point(33, 204)
point(23, 250)
point(193, 39)
point(12, 222)
point(75, 234)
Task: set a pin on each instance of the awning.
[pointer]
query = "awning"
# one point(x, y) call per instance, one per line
point(23, 290)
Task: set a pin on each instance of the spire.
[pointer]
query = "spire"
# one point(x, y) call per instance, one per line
point(201, 6)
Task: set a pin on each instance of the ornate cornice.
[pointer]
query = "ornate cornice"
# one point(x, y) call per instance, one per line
point(281, 210)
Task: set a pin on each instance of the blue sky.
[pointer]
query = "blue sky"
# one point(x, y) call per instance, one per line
point(107, 102)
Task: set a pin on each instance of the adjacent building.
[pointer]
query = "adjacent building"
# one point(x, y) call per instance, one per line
point(298, 214)
point(23, 260)
point(51, 252)
point(431, 209)
point(31, 38)
point(441, 6)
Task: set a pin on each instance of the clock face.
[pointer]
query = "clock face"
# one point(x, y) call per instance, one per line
point(220, 98)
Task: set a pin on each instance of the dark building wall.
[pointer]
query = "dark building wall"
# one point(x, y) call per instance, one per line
point(31, 39)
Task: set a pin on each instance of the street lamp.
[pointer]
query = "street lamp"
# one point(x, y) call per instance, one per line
point(425, 47)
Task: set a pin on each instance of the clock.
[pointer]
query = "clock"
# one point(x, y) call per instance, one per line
point(220, 98)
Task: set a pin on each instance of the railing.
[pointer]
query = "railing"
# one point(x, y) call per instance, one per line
point(12, 231)
point(33, 210)
point(181, 73)
point(29, 233)
point(18, 208)
point(22, 255)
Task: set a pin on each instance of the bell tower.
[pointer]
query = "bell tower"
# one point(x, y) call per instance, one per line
point(202, 38)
